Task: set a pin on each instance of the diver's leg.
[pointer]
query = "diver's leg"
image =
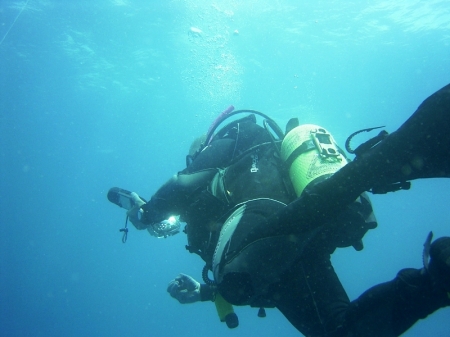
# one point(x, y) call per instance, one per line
point(311, 296)
point(391, 308)
point(420, 148)
point(291, 272)
point(247, 260)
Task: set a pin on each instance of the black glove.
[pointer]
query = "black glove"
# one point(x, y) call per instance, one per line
point(185, 289)
point(349, 226)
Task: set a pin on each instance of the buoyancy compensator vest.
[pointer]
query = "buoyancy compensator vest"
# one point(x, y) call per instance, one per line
point(246, 156)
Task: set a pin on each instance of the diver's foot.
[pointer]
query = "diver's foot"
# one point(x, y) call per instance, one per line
point(439, 266)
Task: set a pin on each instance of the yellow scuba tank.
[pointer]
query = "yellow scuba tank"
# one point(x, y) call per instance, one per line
point(226, 312)
point(309, 152)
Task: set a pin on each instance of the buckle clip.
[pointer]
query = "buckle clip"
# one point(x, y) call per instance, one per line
point(324, 144)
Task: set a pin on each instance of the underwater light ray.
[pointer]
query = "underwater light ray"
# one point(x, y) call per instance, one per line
point(6, 34)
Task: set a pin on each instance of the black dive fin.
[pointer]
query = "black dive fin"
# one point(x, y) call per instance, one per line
point(426, 250)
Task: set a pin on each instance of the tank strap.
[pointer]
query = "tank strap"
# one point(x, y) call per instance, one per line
point(305, 147)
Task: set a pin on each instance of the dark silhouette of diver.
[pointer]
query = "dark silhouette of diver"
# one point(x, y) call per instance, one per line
point(265, 209)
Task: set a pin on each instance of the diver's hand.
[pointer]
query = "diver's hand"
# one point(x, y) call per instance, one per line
point(350, 225)
point(133, 213)
point(185, 289)
point(348, 230)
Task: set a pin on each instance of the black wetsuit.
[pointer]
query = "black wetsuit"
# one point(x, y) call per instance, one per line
point(268, 250)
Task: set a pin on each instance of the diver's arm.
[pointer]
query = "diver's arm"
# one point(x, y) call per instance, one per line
point(177, 193)
point(167, 201)
point(174, 196)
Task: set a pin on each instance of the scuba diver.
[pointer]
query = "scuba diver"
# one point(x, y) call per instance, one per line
point(265, 209)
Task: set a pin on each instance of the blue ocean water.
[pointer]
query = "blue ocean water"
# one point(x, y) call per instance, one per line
point(95, 94)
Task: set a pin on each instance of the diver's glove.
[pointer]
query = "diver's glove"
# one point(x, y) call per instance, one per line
point(350, 225)
point(131, 201)
point(351, 231)
point(135, 213)
point(185, 289)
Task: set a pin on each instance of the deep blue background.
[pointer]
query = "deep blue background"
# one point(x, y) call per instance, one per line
point(111, 93)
